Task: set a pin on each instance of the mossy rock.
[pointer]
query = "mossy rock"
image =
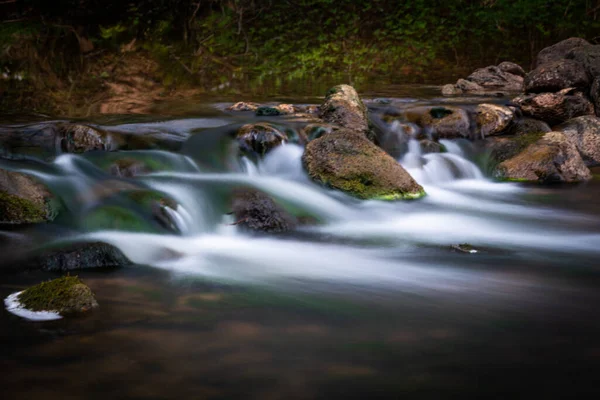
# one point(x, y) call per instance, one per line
point(315, 131)
point(348, 161)
point(493, 119)
point(344, 108)
point(67, 295)
point(23, 200)
point(14, 209)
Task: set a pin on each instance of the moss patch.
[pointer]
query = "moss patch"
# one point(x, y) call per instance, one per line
point(64, 295)
point(17, 210)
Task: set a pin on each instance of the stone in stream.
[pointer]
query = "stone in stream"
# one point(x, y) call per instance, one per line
point(555, 108)
point(129, 168)
point(243, 106)
point(77, 256)
point(584, 132)
point(493, 119)
point(23, 200)
point(588, 57)
point(446, 122)
point(315, 131)
point(555, 76)
point(552, 158)
point(512, 68)
point(259, 138)
point(256, 211)
point(79, 138)
point(559, 50)
point(494, 78)
point(521, 133)
point(346, 160)
point(344, 108)
point(65, 296)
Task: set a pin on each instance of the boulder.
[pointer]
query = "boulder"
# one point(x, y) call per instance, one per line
point(559, 50)
point(346, 160)
point(595, 95)
point(344, 108)
point(429, 146)
point(23, 200)
point(524, 126)
point(266, 111)
point(446, 122)
point(286, 109)
point(451, 90)
point(511, 68)
point(520, 134)
point(584, 133)
point(588, 57)
point(468, 86)
point(555, 76)
point(79, 138)
point(554, 108)
point(243, 106)
point(65, 296)
point(315, 131)
point(259, 138)
point(493, 119)
point(493, 78)
point(256, 211)
point(552, 158)
point(78, 256)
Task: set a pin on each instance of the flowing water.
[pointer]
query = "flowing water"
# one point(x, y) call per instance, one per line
point(372, 301)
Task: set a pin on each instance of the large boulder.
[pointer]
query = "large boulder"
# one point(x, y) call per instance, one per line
point(23, 200)
point(589, 57)
point(559, 50)
point(65, 296)
point(259, 138)
point(552, 158)
point(344, 108)
point(256, 211)
point(493, 119)
point(346, 160)
point(511, 68)
point(554, 108)
point(555, 76)
point(77, 256)
point(494, 78)
point(584, 132)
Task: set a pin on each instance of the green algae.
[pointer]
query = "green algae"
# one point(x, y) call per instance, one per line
point(63, 295)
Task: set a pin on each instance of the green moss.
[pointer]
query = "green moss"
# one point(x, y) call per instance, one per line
point(14, 209)
point(118, 218)
point(63, 295)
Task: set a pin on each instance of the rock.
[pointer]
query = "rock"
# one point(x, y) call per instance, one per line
point(315, 131)
point(554, 108)
point(584, 133)
point(129, 168)
point(23, 200)
point(520, 134)
point(553, 158)
point(446, 122)
point(78, 256)
point(243, 106)
point(346, 160)
point(589, 57)
point(255, 211)
point(524, 126)
point(595, 95)
point(66, 296)
point(265, 111)
point(493, 78)
point(344, 108)
point(79, 138)
point(555, 76)
point(468, 86)
point(559, 50)
point(511, 68)
point(286, 109)
point(429, 146)
point(493, 119)
point(451, 90)
point(259, 138)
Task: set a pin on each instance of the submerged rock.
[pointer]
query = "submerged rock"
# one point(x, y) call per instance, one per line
point(256, 211)
point(78, 256)
point(555, 108)
point(493, 119)
point(259, 138)
point(553, 158)
point(66, 296)
point(584, 132)
point(555, 76)
point(468, 86)
point(286, 109)
point(266, 111)
point(346, 160)
point(451, 90)
point(429, 146)
point(129, 168)
point(23, 200)
point(344, 108)
point(559, 50)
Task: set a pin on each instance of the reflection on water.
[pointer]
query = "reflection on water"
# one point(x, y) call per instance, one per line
point(370, 302)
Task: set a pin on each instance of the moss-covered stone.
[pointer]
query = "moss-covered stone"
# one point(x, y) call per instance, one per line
point(14, 209)
point(66, 295)
point(344, 108)
point(23, 200)
point(348, 161)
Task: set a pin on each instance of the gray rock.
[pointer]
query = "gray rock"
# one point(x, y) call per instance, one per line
point(584, 132)
point(493, 119)
point(79, 256)
point(468, 86)
point(559, 50)
point(256, 211)
point(512, 68)
point(451, 90)
point(589, 57)
point(493, 78)
point(446, 122)
point(23, 200)
point(556, 76)
point(555, 108)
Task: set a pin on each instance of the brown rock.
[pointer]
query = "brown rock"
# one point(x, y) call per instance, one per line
point(493, 119)
point(555, 108)
point(243, 106)
point(511, 68)
point(256, 211)
point(584, 133)
point(23, 199)
point(259, 138)
point(344, 108)
point(493, 78)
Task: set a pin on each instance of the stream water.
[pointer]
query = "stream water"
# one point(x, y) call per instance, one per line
point(370, 302)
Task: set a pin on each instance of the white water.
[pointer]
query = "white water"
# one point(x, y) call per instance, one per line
point(13, 306)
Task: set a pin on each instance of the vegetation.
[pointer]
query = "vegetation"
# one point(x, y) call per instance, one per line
point(70, 47)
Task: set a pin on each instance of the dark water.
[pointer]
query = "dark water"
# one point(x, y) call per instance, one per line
point(516, 320)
